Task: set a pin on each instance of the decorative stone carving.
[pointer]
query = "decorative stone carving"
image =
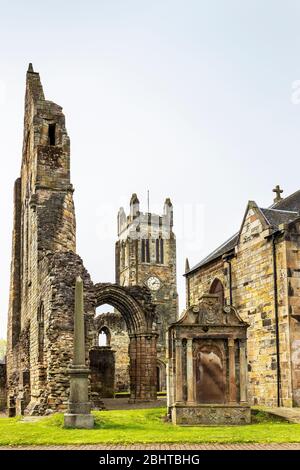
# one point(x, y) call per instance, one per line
point(208, 374)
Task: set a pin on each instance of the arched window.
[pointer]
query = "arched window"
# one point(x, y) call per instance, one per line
point(145, 251)
point(217, 289)
point(161, 243)
point(104, 337)
point(160, 251)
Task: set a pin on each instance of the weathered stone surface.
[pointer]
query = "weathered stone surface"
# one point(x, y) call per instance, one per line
point(207, 379)
point(146, 256)
point(79, 407)
point(197, 415)
point(81, 421)
point(114, 325)
point(102, 366)
point(43, 272)
point(2, 386)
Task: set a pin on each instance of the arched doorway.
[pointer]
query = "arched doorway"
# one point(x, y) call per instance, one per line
point(217, 288)
point(102, 368)
point(134, 304)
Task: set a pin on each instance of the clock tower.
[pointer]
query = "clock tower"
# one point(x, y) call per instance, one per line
point(146, 255)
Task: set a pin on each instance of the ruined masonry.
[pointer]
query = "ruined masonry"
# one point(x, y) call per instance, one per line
point(44, 267)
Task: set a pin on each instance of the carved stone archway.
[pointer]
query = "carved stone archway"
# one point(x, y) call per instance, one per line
point(134, 304)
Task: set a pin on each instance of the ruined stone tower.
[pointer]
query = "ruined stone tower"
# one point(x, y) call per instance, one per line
point(44, 267)
point(146, 256)
point(44, 225)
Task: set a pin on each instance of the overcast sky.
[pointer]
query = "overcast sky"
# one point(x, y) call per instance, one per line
point(191, 99)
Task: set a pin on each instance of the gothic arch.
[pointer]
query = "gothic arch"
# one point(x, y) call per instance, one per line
point(134, 304)
point(217, 288)
point(107, 333)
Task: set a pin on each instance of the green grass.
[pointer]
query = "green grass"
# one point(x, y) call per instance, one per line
point(142, 426)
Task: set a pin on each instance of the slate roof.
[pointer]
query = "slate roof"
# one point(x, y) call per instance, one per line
point(282, 212)
point(275, 217)
point(289, 203)
point(221, 250)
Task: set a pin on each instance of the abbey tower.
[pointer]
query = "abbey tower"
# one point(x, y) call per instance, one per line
point(146, 255)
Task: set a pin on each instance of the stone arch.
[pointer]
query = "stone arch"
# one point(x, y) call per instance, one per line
point(217, 288)
point(135, 306)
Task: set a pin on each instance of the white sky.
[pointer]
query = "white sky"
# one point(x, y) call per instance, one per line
point(190, 99)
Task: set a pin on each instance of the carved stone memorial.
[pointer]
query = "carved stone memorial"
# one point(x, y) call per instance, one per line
point(207, 366)
point(79, 407)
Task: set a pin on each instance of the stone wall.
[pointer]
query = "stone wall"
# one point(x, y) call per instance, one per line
point(290, 303)
point(254, 297)
point(119, 342)
point(102, 366)
point(2, 387)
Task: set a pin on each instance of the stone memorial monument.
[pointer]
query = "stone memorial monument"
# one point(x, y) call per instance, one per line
point(79, 408)
point(207, 366)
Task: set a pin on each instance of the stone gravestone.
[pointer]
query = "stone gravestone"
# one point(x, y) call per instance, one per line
point(207, 366)
point(79, 408)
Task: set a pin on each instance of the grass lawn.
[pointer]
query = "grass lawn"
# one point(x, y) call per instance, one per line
point(142, 426)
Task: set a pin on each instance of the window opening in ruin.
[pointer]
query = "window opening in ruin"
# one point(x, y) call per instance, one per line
point(104, 337)
point(51, 134)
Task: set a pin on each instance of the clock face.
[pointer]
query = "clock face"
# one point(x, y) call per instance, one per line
point(153, 283)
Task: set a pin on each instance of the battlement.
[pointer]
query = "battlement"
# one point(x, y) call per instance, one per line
point(139, 224)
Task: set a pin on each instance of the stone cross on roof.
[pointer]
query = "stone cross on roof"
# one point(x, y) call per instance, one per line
point(278, 192)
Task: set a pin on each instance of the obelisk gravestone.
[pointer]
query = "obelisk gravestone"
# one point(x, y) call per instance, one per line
point(79, 408)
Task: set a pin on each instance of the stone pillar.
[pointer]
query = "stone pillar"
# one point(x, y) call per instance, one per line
point(243, 371)
point(190, 371)
point(232, 383)
point(78, 415)
point(170, 385)
point(132, 366)
point(153, 391)
point(144, 383)
point(142, 351)
point(179, 378)
point(139, 369)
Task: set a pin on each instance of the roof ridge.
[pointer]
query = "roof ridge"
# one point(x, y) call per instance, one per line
point(278, 210)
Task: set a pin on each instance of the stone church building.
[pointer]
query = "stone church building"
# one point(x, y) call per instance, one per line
point(257, 271)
